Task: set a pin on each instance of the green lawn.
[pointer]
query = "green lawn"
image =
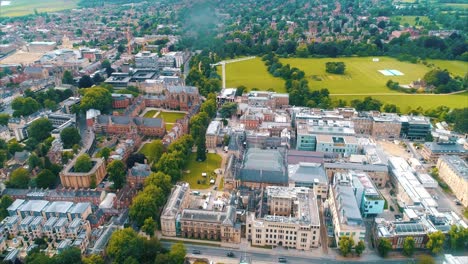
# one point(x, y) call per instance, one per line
point(406, 101)
point(195, 168)
point(169, 126)
point(145, 150)
point(252, 74)
point(170, 117)
point(459, 68)
point(26, 7)
point(150, 113)
point(361, 75)
point(411, 20)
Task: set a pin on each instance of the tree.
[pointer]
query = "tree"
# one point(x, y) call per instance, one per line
point(177, 253)
point(96, 98)
point(46, 179)
point(346, 245)
point(70, 136)
point(85, 82)
point(123, 244)
point(34, 161)
point(436, 242)
point(228, 109)
point(117, 173)
point(67, 78)
point(458, 238)
point(160, 180)
point(384, 246)
point(149, 226)
point(40, 129)
point(391, 108)
point(5, 202)
point(24, 106)
point(134, 158)
point(83, 163)
point(408, 246)
point(97, 78)
point(437, 77)
point(201, 148)
point(4, 119)
point(335, 67)
point(93, 259)
point(240, 90)
point(105, 153)
point(142, 207)
point(69, 255)
point(458, 117)
point(19, 178)
point(360, 247)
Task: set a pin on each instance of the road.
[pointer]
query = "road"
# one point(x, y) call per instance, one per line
point(272, 257)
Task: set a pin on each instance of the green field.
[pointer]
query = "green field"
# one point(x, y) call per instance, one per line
point(459, 68)
point(150, 113)
point(195, 168)
point(361, 75)
point(252, 74)
point(26, 7)
point(407, 101)
point(171, 117)
point(411, 20)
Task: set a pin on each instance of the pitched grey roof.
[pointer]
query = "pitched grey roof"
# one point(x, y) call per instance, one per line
point(264, 165)
point(180, 89)
point(307, 172)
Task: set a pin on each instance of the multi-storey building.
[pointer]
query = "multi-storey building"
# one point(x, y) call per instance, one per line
point(370, 202)
point(415, 127)
point(310, 175)
point(147, 60)
point(345, 211)
point(341, 145)
point(431, 151)
point(192, 216)
point(454, 171)
point(213, 136)
point(386, 126)
point(263, 167)
point(308, 130)
point(292, 219)
point(71, 179)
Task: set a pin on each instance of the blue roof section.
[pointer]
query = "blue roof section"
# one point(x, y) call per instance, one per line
point(264, 165)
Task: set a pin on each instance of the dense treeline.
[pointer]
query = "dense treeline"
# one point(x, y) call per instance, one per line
point(426, 47)
point(296, 84)
point(203, 75)
point(199, 123)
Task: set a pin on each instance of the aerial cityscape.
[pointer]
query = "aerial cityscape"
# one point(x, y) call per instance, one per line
point(233, 131)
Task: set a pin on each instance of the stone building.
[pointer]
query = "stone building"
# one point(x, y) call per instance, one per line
point(71, 179)
point(292, 219)
point(454, 171)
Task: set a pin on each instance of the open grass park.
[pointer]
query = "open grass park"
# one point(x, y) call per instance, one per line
point(410, 20)
point(252, 74)
point(364, 76)
point(193, 173)
point(14, 8)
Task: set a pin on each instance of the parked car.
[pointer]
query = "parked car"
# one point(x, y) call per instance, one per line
point(282, 260)
point(230, 254)
point(196, 252)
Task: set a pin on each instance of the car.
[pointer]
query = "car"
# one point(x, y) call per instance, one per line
point(282, 260)
point(230, 254)
point(196, 252)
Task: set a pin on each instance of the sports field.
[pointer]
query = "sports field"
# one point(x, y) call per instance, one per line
point(459, 68)
point(26, 7)
point(411, 20)
point(252, 74)
point(409, 101)
point(361, 76)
